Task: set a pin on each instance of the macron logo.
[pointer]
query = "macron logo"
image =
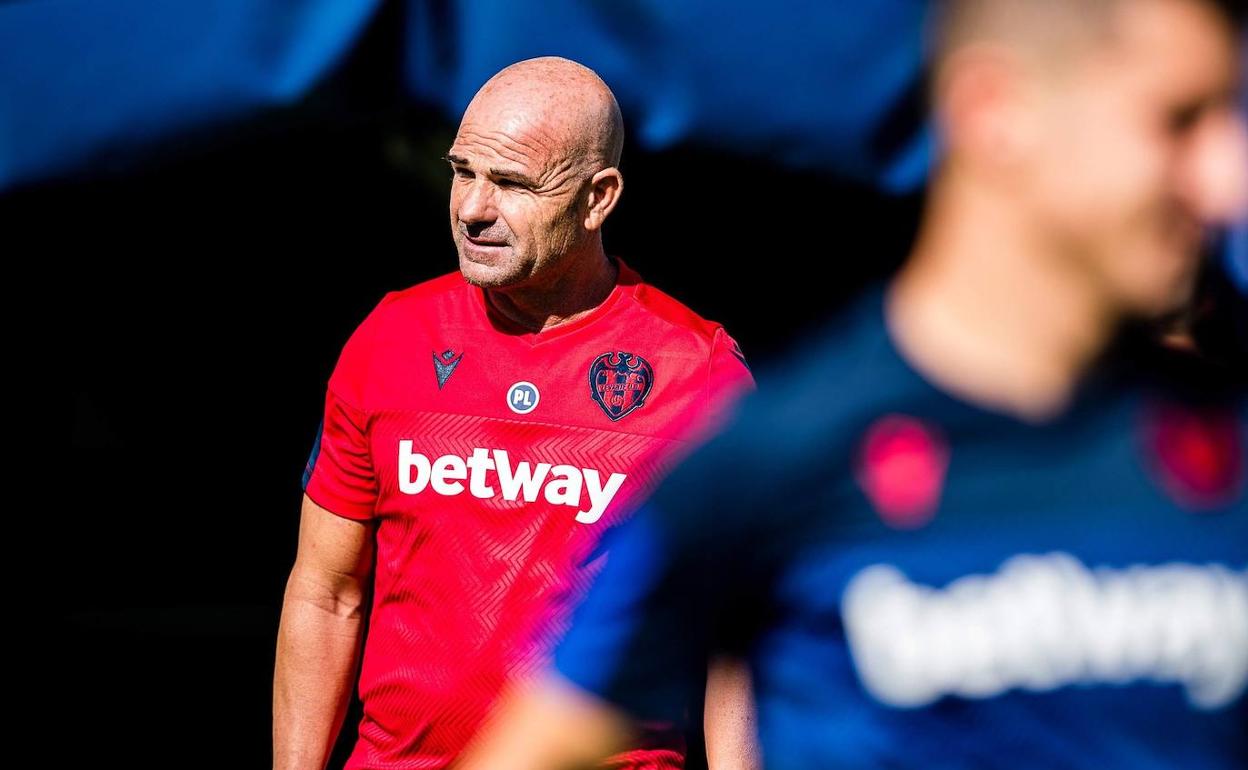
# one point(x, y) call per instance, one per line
point(559, 484)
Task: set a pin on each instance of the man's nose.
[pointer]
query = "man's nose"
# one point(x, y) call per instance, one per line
point(1215, 178)
point(478, 204)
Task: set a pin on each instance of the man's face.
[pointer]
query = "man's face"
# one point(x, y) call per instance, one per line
point(1140, 148)
point(516, 208)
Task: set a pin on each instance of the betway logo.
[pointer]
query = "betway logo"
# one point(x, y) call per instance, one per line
point(559, 484)
point(1043, 622)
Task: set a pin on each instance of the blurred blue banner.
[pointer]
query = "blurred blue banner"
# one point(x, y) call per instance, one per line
point(801, 83)
point(804, 83)
point(78, 77)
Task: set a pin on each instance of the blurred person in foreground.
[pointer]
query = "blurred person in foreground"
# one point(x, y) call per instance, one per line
point(970, 526)
point(481, 431)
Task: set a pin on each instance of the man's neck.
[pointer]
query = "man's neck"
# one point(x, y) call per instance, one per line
point(983, 313)
point(568, 296)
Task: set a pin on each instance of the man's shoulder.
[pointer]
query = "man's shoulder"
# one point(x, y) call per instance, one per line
point(674, 318)
point(432, 297)
point(450, 287)
point(668, 309)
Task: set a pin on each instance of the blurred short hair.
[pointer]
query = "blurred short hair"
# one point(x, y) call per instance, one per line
point(1054, 29)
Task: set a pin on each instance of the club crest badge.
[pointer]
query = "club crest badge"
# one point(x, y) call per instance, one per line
point(901, 468)
point(1195, 455)
point(619, 382)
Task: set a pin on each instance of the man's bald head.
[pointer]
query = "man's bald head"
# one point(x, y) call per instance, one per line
point(536, 174)
point(562, 99)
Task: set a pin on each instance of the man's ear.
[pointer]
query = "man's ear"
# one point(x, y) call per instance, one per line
point(986, 100)
point(604, 192)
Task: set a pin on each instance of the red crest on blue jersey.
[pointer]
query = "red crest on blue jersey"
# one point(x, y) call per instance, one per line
point(1197, 456)
point(619, 382)
point(901, 469)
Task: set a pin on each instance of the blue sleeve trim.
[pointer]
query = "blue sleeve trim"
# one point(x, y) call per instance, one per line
point(316, 452)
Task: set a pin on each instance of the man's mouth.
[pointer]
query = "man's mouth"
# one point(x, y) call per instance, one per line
point(484, 242)
point(483, 251)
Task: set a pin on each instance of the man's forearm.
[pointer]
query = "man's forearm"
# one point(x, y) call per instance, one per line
point(318, 643)
point(729, 721)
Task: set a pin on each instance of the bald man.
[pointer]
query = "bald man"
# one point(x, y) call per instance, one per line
point(963, 531)
point(481, 432)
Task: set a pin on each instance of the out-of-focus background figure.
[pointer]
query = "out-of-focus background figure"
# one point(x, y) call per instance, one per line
point(977, 524)
point(218, 191)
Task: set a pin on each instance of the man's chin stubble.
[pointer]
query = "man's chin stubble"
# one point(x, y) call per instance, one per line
point(485, 276)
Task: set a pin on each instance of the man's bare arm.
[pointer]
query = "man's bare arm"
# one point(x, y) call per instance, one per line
point(319, 636)
point(729, 721)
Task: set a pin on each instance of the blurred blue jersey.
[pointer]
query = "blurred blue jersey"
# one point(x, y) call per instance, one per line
point(917, 582)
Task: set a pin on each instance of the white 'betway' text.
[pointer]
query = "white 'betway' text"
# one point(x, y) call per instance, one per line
point(1046, 621)
point(559, 484)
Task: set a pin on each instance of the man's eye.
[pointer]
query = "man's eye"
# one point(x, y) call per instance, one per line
point(509, 183)
point(463, 173)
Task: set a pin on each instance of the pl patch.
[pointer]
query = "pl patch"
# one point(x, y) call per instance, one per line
point(619, 383)
point(522, 397)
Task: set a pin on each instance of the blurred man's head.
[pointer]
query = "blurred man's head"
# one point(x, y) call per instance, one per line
point(535, 173)
point(1108, 126)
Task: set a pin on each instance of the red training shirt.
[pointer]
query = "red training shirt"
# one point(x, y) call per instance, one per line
point(493, 459)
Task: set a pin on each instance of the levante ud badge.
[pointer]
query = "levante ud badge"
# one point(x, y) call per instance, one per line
point(619, 382)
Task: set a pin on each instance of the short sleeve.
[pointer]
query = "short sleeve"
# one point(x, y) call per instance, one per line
point(728, 375)
point(339, 475)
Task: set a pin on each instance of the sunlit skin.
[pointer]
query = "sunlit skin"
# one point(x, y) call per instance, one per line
point(535, 177)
